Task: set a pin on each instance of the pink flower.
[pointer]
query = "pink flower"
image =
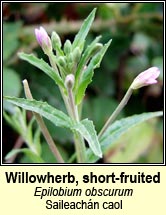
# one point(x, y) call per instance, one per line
point(146, 78)
point(43, 39)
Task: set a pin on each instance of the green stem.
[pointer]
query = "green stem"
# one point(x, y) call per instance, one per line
point(53, 64)
point(52, 60)
point(73, 113)
point(117, 111)
point(78, 139)
point(43, 127)
point(80, 148)
point(73, 107)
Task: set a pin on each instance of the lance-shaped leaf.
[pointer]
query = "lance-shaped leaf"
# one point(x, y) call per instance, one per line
point(81, 35)
point(30, 154)
point(88, 73)
point(41, 64)
point(87, 130)
point(118, 128)
point(58, 118)
point(55, 116)
point(17, 120)
point(84, 59)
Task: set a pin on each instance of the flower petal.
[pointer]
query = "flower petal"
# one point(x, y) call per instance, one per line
point(145, 78)
point(43, 39)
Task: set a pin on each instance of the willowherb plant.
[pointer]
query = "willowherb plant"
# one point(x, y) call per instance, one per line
point(72, 68)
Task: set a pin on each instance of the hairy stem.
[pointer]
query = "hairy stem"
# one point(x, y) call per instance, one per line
point(73, 107)
point(78, 139)
point(73, 113)
point(116, 112)
point(43, 127)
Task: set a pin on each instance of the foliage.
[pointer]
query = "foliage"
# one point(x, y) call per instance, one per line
point(136, 33)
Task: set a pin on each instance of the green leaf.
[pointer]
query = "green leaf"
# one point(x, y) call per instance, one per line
point(87, 130)
point(81, 35)
point(132, 144)
point(84, 59)
point(58, 118)
point(88, 73)
point(41, 64)
point(35, 158)
point(99, 56)
point(55, 116)
point(120, 127)
point(16, 120)
point(12, 121)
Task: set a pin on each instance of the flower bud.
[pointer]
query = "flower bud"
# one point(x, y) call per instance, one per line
point(43, 39)
point(146, 78)
point(76, 54)
point(56, 41)
point(96, 48)
point(69, 81)
point(70, 58)
point(61, 61)
point(67, 47)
